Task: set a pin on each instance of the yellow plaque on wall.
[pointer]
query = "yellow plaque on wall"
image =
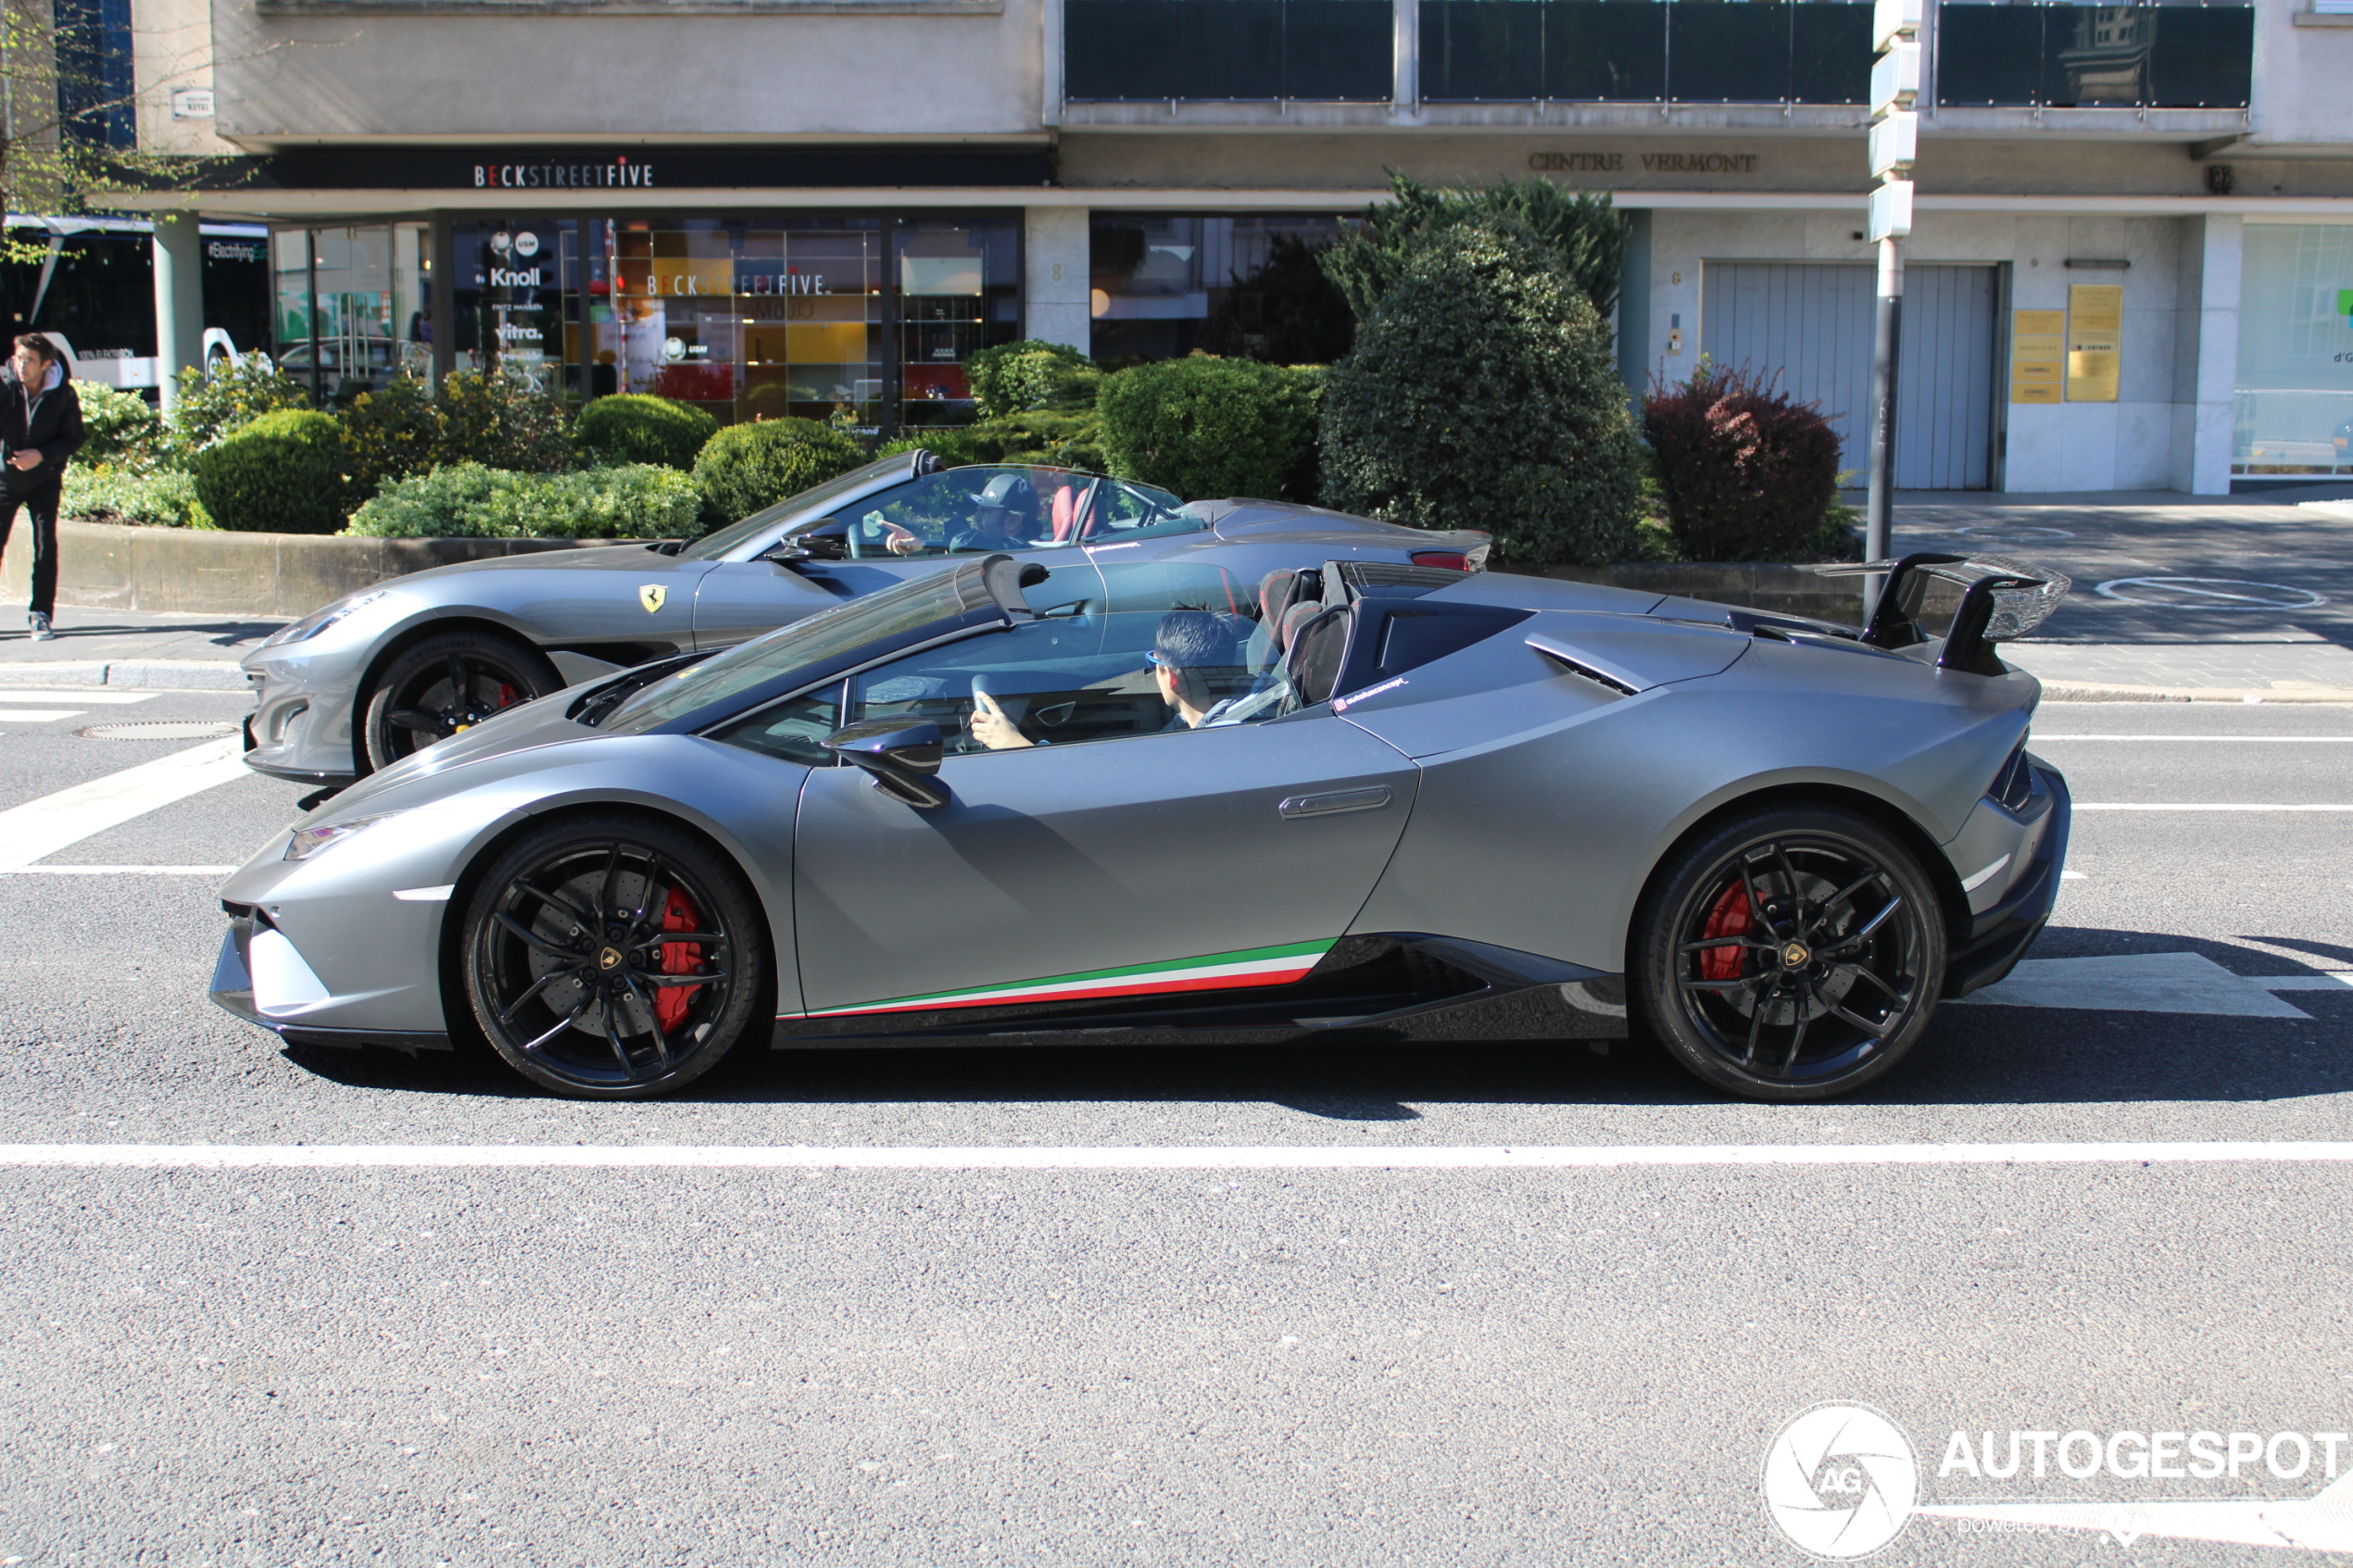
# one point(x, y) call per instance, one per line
point(2038, 354)
point(2094, 341)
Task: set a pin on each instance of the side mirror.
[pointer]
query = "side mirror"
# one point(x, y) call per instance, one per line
point(902, 754)
point(826, 539)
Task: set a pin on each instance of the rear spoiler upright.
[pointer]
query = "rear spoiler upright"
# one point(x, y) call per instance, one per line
point(2001, 600)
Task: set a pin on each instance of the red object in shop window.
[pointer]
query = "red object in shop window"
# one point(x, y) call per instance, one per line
point(936, 381)
point(696, 383)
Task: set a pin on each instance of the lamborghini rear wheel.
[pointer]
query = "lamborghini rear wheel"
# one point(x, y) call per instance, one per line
point(1793, 953)
point(614, 957)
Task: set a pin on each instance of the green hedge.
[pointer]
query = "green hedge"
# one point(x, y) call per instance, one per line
point(466, 500)
point(746, 467)
point(234, 396)
point(109, 492)
point(635, 428)
point(1208, 428)
point(281, 473)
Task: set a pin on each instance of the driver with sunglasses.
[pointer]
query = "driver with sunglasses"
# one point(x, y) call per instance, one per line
point(1192, 652)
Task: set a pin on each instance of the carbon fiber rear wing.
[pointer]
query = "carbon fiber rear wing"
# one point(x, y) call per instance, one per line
point(2001, 600)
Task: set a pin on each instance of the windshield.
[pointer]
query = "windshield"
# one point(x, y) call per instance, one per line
point(804, 644)
point(810, 502)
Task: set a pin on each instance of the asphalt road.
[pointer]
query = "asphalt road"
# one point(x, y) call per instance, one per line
point(1270, 1364)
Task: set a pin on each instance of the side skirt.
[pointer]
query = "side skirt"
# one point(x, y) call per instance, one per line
point(1396, 986)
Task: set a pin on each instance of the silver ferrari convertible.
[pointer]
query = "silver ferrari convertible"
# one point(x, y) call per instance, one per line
point(374, 676)
point(1156, 801)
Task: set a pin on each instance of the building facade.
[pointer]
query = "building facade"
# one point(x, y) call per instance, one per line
point(2131, 265)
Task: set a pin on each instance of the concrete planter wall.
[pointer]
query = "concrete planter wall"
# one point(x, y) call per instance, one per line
point(177, 571)
point(201, 572)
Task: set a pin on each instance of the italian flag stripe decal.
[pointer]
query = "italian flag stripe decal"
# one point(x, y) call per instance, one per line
point(1213, 972)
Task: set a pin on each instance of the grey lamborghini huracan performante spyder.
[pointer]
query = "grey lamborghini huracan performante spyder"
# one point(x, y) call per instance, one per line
point(367, 680)
point(1154, 802)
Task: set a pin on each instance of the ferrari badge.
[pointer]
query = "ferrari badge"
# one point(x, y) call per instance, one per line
point(650, 595)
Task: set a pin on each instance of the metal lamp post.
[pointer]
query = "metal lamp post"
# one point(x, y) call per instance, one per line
point(1895, 130)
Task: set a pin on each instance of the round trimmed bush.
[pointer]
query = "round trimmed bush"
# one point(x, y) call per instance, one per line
point(1208, 428)
point(1746, 471)
point(1483, 392)
point(282, 473)
point(632, 427)
point(746, 467)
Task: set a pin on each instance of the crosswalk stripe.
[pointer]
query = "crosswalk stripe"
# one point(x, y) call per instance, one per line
point(42, 827)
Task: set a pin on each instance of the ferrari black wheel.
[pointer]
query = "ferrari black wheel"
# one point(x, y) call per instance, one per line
point(447, 684)
point(615, 957)
point(1792, 955)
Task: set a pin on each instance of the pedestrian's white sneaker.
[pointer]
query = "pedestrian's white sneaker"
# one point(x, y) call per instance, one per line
point(40, 625)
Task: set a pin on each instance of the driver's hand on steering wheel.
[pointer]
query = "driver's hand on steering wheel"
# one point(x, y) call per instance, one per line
point(992, 728)
point(900, 541)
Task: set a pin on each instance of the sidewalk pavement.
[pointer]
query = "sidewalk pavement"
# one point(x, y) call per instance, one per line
point(108, 647)
point(2177, 598)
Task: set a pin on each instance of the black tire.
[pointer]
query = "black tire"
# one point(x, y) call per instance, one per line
point(437, 687)
point(568, 975)
point(1791, 954)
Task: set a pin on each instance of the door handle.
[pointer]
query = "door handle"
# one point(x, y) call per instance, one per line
point(1333, 802)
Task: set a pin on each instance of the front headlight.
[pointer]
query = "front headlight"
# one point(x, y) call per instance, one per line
point(318, 621)
point(308, 841)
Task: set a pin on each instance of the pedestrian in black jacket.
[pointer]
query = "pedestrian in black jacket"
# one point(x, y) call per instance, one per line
point(40, 428)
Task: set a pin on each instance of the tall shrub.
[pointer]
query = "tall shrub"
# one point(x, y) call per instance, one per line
point(281, 473)
point(746, 467)
point(120, 427)
point(1483, 393)
point(500, 422)
point(1206, 428)
point(1744, 471)
point(392, 433)
point(1017, 377)
point(635, 428)
point(237, 393)
point(1585, 236)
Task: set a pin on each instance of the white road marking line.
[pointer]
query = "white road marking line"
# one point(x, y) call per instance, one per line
point(117, 871)
point(2235, 740)
point(2182, 982)
point(76, 694)
point(737, 1157)
point(2191, 806)
point(40, 828)
point(38, 715)
point(2074, 876)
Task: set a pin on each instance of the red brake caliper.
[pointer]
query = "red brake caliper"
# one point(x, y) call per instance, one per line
point(678, 958)
point(1730, 917)
point(509, 694)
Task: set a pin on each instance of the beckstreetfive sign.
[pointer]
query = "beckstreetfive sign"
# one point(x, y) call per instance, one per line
point(619, 174)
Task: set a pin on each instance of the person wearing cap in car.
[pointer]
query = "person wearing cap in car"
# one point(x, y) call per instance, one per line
point(1004, 518)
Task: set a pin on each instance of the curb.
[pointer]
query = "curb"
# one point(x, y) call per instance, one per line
point(2061, 691)
point(156, 675)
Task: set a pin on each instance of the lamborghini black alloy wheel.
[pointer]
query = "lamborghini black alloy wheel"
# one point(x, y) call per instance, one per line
point(447, 684)
point(612, 959)
point(1794, 956)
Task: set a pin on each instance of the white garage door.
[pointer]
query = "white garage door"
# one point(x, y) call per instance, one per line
point(1812, 322)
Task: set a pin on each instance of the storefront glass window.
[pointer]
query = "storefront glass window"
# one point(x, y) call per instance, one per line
point(1165, 284)
point(508, 299)
point(2295, 405)
point(350, 307)
point(959, 292)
